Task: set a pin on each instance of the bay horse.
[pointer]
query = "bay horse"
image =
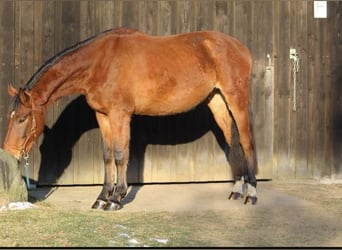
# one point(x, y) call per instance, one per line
point(122, 72)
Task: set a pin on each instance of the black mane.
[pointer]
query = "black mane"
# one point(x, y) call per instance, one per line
point(36, 76)
point(56, 58)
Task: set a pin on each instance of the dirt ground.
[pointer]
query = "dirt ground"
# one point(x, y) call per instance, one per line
point(294, 214)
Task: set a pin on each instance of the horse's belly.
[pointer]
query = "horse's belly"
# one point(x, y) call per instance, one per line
point(170, 78)
point(171, 101)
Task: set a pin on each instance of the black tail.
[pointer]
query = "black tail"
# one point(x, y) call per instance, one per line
point(236, 156)
point(255, 158)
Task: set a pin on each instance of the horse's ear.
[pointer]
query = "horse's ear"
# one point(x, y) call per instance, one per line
point(11, 90)
point(25, 98)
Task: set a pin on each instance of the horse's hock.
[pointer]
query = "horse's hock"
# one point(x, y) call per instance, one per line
point(12, 185)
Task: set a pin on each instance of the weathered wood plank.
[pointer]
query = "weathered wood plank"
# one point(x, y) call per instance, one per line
point(24, 53)
point(37, 61)
point(242, 23)
point(335, 10)
point(316, 92)
point(204, 12)
point(7, 17)
point(326, 146)
point(88, 19)
point(109, 14)
point(130, 14)
point(48, 165)
point(84, 169)
point(149, 17)
point(277, 68)
point(300, 118)
point(282, 120)
point(267, 53)
point(262, 111)
point(70, 16)
point(164, 164)
point(185, 16)
point(167, 22)
point(224, 16)
point(293, 91)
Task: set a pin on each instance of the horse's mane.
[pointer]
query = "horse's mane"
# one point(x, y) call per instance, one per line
point(28, 86)
point(55, 59)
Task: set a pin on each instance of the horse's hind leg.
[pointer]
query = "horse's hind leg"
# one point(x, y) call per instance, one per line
point(234, 154)
point(233, 64)
point(238, 105)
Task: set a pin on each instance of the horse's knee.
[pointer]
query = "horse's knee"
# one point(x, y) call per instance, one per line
point(118, 156)
point(107, 156)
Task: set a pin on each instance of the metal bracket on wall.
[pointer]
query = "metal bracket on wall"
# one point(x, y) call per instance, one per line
point(295, 69)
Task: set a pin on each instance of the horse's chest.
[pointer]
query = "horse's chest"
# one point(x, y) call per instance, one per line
point(105, 100)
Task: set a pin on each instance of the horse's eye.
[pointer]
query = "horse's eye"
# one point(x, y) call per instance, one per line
point(22, 119)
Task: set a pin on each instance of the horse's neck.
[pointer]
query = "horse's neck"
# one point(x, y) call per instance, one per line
point(65, 77)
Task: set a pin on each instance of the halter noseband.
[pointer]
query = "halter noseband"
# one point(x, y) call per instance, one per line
point(33, 133)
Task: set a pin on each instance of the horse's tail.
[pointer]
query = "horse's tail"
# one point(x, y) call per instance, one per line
point(255, 158)
point(236, 156)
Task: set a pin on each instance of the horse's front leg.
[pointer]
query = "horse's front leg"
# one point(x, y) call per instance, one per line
point(121, 130)
point(120, 191)
point(108, 185)
point(104, 197)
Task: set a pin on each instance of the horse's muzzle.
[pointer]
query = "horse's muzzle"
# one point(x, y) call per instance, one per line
point(16, 153)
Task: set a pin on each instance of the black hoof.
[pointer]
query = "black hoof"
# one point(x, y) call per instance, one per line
point(99, 204)
point(235, 196)
point(112, 206)
point(252, 199)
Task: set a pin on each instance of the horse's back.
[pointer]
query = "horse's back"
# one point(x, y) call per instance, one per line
point(166, 74)
point(193, 44)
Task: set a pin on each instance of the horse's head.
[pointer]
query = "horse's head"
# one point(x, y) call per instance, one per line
point(25, 123)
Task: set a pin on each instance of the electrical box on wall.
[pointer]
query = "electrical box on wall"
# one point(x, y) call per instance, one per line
point(320, 9)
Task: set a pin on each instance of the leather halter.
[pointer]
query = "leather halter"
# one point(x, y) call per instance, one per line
point(33, 133)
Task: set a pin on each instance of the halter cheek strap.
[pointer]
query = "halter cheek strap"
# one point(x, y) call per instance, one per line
point(33, 133)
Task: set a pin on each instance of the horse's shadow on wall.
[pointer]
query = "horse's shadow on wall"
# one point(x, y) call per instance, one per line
point(77, 118)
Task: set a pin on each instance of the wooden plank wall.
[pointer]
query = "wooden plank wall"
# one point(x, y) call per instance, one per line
point(301, 144)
